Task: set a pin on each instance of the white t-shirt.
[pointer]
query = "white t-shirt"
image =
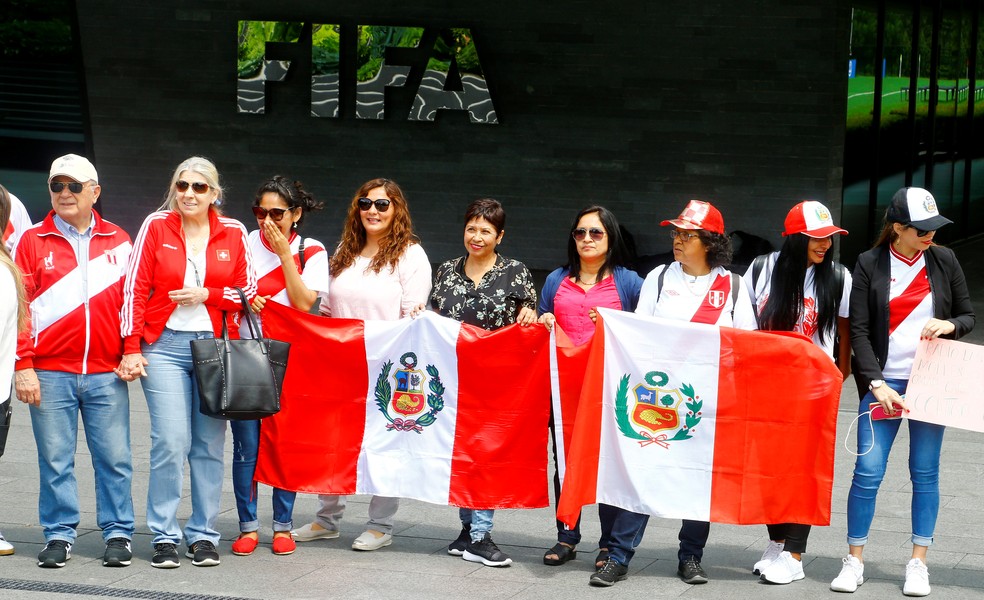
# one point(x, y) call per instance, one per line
point(703, 299)
point(8, 329)
point(389, 295)
point(807, 323)
point(910, 305)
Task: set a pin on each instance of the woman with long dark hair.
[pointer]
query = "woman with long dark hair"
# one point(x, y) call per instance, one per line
point(925, 293)
point(379, 272)
point(801, 288)
point(594, 275)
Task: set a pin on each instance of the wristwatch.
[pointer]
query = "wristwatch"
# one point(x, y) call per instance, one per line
point(876, 383)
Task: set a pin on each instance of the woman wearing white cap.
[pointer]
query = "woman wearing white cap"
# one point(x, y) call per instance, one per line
point(924, 289)
point(801, 288)
point(696, 287)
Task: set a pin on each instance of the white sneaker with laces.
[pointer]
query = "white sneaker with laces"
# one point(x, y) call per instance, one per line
point(771, 553)
point(6, 548)
point(783, 570)
point(916, 579)
point(850, 577)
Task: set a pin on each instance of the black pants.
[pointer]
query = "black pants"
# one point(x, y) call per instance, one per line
point(795, 535)
point(693, 538)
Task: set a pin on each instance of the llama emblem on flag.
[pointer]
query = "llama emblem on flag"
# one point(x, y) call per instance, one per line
point(657, 409)
point(409, 398)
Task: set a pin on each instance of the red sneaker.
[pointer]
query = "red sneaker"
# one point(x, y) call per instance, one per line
point(244, 546)
point(284, 544)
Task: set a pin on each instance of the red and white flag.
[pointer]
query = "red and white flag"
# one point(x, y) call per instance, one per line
point(694, 421)
point(424, 408)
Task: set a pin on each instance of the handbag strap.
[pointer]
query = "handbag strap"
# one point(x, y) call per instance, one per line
point(254, 327)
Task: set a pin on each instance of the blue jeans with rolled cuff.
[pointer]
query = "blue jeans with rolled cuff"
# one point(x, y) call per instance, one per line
point(925, 442)
point(245, 447)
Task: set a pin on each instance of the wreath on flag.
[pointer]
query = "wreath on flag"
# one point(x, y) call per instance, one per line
point(656, 379)
point(435, 399)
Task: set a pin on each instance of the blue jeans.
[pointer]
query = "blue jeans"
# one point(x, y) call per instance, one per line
point(925, 441)
point(104, 403)
point(179, 431)
point(479, 520)
point(245, 446)
point(627, 529)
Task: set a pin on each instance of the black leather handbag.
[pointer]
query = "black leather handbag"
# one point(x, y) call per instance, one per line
point(240, 379)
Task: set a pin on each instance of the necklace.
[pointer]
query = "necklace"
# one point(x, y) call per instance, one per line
point(198, 242)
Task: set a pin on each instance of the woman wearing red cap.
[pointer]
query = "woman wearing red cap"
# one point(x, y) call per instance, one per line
point(924, 289)
point(810, 296)
point(696, 287)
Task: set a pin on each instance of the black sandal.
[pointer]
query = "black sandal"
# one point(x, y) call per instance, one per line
point(564, 554)
point(602, 558)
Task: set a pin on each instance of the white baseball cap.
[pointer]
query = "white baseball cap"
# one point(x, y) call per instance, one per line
point(72, 165)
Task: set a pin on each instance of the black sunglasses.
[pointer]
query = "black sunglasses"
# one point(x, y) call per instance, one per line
point(199, 187)
point(275, 213)
point(382, 205)
point(920, 232)
point(595, 233)
point(74, 186)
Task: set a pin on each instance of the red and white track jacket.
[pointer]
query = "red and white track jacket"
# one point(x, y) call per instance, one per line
point(73, 329)
point(157, 266)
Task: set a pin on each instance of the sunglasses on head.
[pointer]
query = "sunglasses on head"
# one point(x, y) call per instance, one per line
point(199, 187)
point(920, 232)
point(685, 236)
point(74, 186)
point(595, 233)
point(382, 205)
point(275, 213)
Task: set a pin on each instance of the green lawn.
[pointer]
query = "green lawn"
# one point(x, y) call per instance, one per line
point(860, 98)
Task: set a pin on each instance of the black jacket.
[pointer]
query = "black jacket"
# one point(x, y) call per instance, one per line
point(869, 306)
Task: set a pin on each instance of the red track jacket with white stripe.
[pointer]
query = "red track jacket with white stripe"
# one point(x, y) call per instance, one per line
point(157, 266)
point(74, 327)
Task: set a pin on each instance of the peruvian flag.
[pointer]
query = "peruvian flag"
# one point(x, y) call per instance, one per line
point(693, 421)
point(425, 408)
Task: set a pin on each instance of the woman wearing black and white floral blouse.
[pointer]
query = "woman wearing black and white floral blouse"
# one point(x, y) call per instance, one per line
point(485, 289)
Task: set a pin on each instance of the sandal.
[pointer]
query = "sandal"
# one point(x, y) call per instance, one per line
point(602, 558)
point(564, 553)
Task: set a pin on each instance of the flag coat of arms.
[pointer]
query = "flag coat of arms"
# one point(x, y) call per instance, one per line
point(426, 408)
point(695, 421)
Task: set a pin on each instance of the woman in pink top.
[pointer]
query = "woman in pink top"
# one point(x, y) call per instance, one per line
point(593, 276)
point(378, 272)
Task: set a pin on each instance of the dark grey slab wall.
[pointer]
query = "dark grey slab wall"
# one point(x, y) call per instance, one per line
point(638, 105)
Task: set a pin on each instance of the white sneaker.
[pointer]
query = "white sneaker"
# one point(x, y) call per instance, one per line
point(916, 579)
point(6, 547)
point(308, 533)
point(850, 577)
point(783, 570)
point(771, 553)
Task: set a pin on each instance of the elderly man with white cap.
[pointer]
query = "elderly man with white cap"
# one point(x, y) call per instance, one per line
point(73, 264)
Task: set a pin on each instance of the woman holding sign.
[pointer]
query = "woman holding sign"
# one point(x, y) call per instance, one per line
point(924, 289)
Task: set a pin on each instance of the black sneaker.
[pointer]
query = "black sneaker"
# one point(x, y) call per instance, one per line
point(55, 554)
point(486, 552)
point(118, 553)
point(691, 572)
point(165, 556)
point(609, 573)
point(458, 546)
point(203, 554)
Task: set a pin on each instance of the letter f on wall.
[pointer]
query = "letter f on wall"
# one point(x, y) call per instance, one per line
point(254, 70)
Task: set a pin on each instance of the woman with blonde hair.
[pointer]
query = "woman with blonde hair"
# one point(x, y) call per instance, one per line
point(378, 272)
point(186, 262)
